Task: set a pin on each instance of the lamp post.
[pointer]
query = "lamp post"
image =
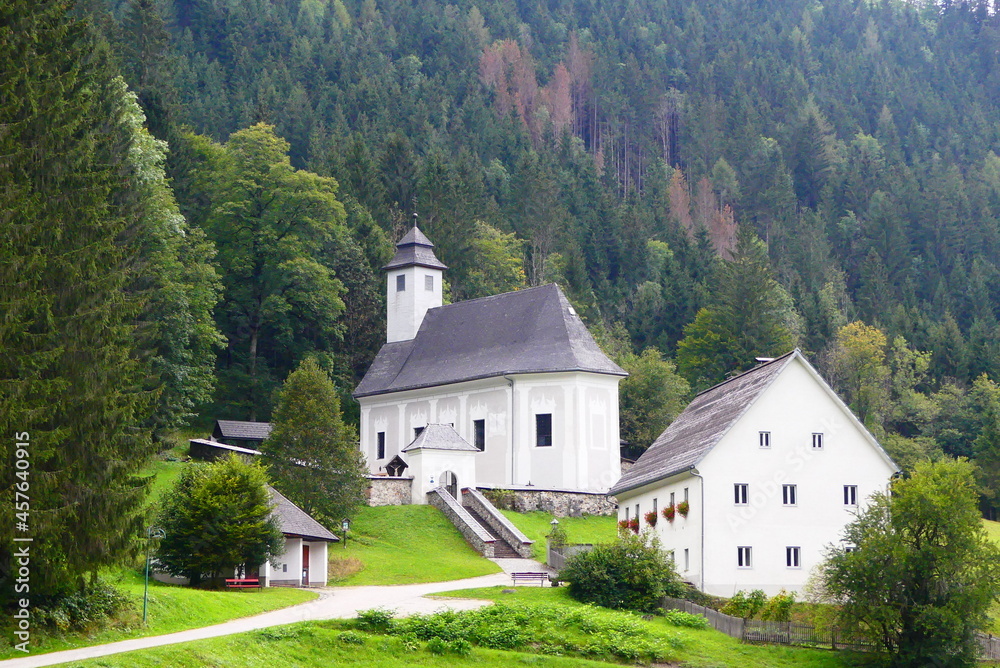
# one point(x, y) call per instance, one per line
point(151, 533)
point(345, 525)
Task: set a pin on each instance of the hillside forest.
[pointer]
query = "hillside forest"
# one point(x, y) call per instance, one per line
point(197, 195)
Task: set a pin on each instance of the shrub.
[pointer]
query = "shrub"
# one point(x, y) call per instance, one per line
point(504, 499)
point(631, 573)
point(779, 607)
point(351, 638)
point(746, 605)
point(685, 619)
point(83, 609)
point(376, 620)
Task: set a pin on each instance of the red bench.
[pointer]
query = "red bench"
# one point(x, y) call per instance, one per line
point(242, 583)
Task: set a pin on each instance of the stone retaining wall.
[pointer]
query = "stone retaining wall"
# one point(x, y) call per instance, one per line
point(561, 503)
point(386, 491)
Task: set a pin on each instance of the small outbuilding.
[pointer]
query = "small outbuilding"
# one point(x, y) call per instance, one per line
point(241, 433)
point(304, 562)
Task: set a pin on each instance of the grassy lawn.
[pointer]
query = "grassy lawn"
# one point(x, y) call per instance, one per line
point(310, 645)
point(699, 648)
point(404, 545)
point(335, 643)
point(171, 608)
point(586, 529)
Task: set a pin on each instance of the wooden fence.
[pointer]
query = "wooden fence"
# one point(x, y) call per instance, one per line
point(788, 633)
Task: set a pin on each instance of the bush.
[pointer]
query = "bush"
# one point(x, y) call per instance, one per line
point(746, 605)
point(685, 619)
point(779, 607)
point(376, 620)
point(631, 573)
point(83, 609)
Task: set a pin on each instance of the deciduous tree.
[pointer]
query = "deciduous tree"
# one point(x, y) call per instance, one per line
point(923, 574)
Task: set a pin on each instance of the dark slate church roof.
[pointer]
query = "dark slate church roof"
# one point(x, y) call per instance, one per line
point(440, 437)
point(296, 522)
point(528, 331)
point(415, 249)
point(700, 426)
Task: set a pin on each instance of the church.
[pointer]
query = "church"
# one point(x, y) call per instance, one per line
point(508, 391)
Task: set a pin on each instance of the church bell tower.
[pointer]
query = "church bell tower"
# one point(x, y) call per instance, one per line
point(413, 285)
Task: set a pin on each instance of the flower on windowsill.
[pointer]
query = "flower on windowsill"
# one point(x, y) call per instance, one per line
point(624, 525)
point(651, 517)
point(633, 524)
point(668, 513)
point(683, 508)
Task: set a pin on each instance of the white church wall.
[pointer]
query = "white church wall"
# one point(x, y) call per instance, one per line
point(585, 433)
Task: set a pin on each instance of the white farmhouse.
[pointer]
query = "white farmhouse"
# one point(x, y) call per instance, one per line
point(772, 465)
point(516, 377)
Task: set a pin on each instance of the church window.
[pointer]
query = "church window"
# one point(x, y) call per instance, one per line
point(479, 434)
point(429, 283)
point(543, 429)
point(381, 445)
point(401, 283)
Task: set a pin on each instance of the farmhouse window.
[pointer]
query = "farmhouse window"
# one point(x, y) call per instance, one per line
point(742, 493)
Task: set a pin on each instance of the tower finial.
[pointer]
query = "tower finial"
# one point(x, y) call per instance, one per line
point(414, 218)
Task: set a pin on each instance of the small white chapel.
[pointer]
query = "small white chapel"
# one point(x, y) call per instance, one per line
point(507, 391)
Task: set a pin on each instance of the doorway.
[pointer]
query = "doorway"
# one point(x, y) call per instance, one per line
point(305, 565)
point(450, 482)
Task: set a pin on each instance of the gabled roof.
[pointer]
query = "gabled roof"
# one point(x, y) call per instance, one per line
point(709, 416)
point(440, 437)
point(415, 249)
point(294, 521)
point(700, 426)
point(248, 431)
point(528, 331)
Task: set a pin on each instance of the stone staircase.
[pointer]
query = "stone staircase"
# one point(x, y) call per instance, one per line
point(485, 527)
point(501, 548)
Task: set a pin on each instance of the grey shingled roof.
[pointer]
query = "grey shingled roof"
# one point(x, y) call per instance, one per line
point(248, 431)
point(700, 426)
point(296, 522)
point(440, 437)
point(415, 249)
point(528, 331)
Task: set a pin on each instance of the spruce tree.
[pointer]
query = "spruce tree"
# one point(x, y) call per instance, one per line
point(313, 456)
point(71, 376)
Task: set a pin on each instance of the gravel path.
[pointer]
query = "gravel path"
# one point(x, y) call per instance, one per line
point(333, 603)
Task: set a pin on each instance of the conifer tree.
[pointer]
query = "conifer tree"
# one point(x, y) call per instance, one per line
point(71, 376)
point(313, 456)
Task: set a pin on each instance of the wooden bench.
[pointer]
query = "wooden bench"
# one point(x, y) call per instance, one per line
point(242, 583)
point(540, 578)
